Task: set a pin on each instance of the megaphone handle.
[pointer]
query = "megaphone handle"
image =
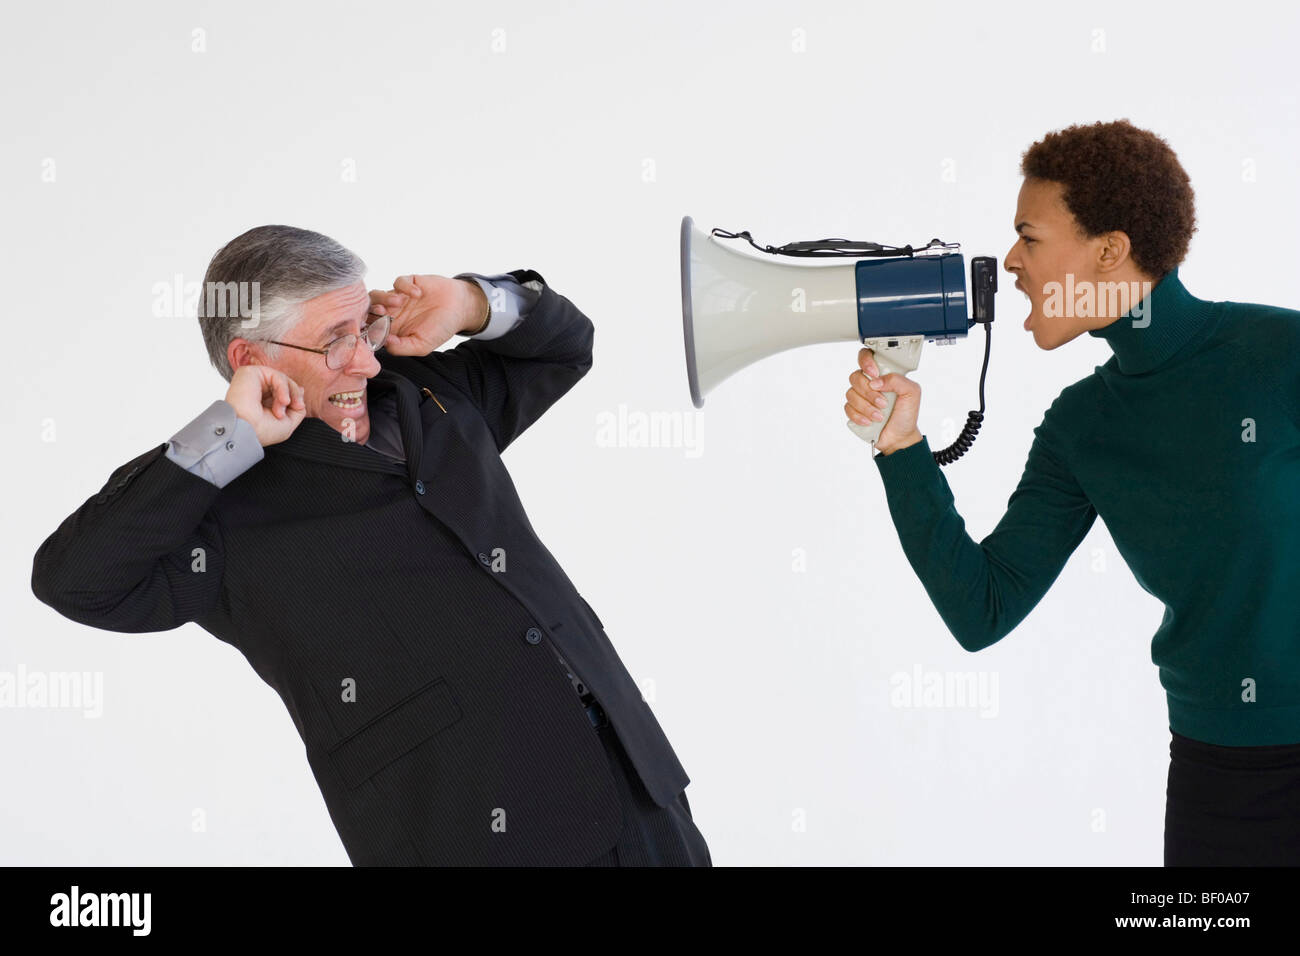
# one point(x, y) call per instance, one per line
point(869, 433)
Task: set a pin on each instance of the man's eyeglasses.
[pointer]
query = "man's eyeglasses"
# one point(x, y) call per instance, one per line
point(339, 352)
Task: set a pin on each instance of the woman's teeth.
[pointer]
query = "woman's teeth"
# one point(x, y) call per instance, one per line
point(346, 399)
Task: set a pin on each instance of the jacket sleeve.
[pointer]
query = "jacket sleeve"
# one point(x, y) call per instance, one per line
point(142, 555)
point(983, 591)
point(514, 378)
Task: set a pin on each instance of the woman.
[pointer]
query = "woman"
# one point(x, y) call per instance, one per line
point(1186, 443)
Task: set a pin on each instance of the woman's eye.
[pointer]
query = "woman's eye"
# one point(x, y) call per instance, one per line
point(1027, 239)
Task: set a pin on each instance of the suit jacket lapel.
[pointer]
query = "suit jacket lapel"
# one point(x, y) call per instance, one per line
point(317, 441)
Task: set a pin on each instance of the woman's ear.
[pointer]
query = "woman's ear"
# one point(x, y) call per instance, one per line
point(1114, 250)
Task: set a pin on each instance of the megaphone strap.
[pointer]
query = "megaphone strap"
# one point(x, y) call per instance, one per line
point(838, 247)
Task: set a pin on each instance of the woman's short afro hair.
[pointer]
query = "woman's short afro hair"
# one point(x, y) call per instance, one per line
point(1116, 176)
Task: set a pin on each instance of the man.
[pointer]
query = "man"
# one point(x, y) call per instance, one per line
point(343, 517)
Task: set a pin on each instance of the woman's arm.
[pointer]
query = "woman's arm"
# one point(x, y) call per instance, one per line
point(982, 591)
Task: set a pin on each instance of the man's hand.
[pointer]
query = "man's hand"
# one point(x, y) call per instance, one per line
point(427, 310)
point(268, 400)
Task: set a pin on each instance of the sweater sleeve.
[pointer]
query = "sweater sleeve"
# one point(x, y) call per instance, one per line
point(982, 591)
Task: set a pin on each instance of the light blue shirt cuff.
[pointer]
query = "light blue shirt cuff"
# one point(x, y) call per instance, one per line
point(218, 446)
point(508, 302)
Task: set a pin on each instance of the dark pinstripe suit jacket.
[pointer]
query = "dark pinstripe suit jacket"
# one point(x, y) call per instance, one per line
point(407, 614)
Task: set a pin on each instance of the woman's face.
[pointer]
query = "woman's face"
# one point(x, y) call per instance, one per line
point(1051, 258)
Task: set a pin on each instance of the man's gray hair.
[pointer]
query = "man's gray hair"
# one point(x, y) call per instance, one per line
point(258, 283)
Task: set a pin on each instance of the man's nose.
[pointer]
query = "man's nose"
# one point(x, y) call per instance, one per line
point(365, 361)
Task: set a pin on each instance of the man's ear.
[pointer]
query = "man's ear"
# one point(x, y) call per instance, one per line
point(242, 352)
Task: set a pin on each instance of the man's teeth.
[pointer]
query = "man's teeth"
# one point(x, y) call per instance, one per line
point(346, 399)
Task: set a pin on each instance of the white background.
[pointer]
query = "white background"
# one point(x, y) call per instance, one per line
point(571, 139)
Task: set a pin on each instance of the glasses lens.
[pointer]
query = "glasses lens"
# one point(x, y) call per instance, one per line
point(377, 331)
point(341, 351)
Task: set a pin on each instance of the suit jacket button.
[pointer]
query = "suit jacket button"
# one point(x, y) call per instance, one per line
point(533, 636)
point(484, 560)
point(419, 487)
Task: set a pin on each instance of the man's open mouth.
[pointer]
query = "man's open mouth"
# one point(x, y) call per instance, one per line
point(347, 399)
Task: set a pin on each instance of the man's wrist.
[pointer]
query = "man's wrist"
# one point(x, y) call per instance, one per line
point(902, 443)
point(483, 307)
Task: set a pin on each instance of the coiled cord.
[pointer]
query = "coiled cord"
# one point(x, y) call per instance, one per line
point(946, 456)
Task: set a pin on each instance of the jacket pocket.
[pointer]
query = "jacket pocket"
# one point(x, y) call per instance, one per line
point(397, 731)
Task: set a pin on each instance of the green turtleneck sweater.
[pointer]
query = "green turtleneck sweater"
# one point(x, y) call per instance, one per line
point(1187, 444)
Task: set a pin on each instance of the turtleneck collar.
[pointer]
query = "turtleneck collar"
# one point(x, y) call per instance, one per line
point(1173, 318)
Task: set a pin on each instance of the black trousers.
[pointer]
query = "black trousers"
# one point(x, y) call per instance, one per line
point(1232, 806)
point(652, 835)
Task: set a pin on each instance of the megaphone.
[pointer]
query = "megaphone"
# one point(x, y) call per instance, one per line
point(738, 308)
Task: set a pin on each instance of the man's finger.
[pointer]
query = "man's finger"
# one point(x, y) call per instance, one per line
point(407, 285)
